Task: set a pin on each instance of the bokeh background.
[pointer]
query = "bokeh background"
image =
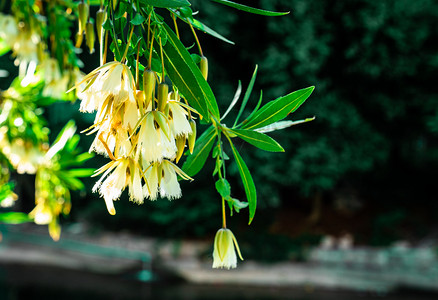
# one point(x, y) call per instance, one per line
point(366, 167)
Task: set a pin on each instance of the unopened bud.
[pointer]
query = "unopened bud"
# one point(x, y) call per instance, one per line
point(148, 86)
point(163, 91)
point(83, 15)
point(115, 4)
point(79, 38)
point(192, 136)
point(203, 65)
point(100, 19)
point(89, 35)
point(180, 145)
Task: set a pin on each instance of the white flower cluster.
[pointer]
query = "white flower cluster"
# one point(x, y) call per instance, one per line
point(140, 138)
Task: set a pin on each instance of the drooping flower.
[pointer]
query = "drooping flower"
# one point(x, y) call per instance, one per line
point(155, 140)
point(178, 122)
point(110, 186)
point(225, 247)
point(162, 178)
point(112, 79)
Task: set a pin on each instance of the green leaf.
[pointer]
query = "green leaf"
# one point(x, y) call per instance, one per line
point(236, 204)
point(166, 3)
point(248, 182)
point(14, 218)
point(223, 187)
point(4, 47)
point(259, 140)
point(196, 160)
point(138, 19)
point(251, 9)
point(278, 109)
point(86, 172)
point(201, 26)
point(185, 74)
point(247, 94)
point(282, 125)
point(234, 101)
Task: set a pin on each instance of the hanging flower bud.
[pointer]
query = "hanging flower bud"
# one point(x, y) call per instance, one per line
point(79, 38)
point(100, 19)
point(203, 65)
point(180, 145)
point(163, 91)
point(148, 86)
point(192, 136)
point(89, 34)
point(224, 254)
point(83, 15)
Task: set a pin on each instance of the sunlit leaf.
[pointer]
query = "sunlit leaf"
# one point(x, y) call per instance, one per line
point(14, 218)
point(278, 109)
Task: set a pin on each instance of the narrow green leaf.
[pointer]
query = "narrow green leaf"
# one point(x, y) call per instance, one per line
point(255, 108)
point(138, 19)
point(282, 125)
point(185, 74)
point(259, 140)
point(201, 26)
point(278, 109)
point(166, 3)
point(86, 172)
point(223, 187)
point(247, 181)
point(196, 160)
point(234, 101)
point(251, 9)
point(247, 94)
point(14, 218)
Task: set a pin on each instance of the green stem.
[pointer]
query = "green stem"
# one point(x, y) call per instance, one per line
point(224, 218)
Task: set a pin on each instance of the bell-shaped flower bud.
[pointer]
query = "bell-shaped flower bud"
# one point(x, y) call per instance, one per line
point(163, 92)
point(90, 38)
point(192, 136)
point(148, 86)
point(180, 145)
point(203, 65)
point(79, 38)
point(100, 19)
point(225, 247)
point(83, 16)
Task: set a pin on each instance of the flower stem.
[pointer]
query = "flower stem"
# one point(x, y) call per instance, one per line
point(196, 38)
point(127, 45)
point(224, 219)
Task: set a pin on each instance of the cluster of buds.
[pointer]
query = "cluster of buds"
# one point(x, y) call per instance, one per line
point(86, 25)
point(141, 131)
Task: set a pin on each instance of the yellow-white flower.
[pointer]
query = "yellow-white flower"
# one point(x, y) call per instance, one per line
point(177, 119)
point(111, 188)
point(112, 79)
point(224, 253)
point(155, 140)
point(162, 178)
